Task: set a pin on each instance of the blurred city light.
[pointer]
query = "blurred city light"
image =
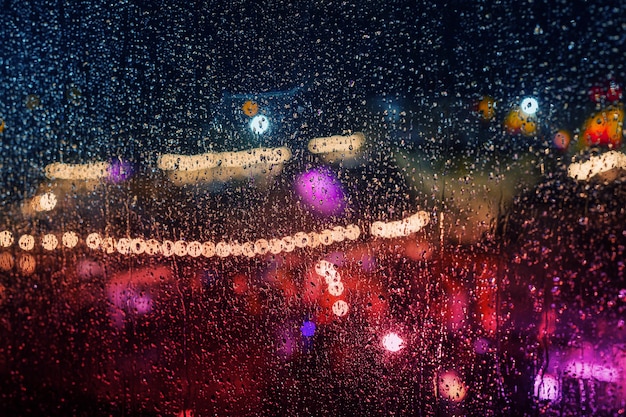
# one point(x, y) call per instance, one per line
point(393, 342)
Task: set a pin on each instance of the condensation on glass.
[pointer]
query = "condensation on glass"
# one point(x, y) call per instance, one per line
point(312, 208)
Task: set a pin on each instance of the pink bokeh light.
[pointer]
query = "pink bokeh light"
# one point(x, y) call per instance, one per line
point(321, 191)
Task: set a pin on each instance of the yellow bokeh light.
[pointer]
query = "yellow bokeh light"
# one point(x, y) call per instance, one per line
point(289, 243)
point(261, 246)
point(208, 249)
point(353, 232)
point(123, 246)
point(326, 237)
point(26, 264)
point(236, 249)
point(180, 248)
point(275, 246)
point(138, 246)
point(167, 248)
point(153, 247)
point(69, 239)
point(26, 242)
point(6, 238)
point(340, 308)
point(6, 261)
point(336, 288)
point(49, 242)
point(450, 386)
point(93, 241)
point(194, 249)
point(222, 249)
point(248, 249)
point(45, 202)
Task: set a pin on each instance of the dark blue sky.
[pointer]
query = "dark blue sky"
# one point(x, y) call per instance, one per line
point(151, 74)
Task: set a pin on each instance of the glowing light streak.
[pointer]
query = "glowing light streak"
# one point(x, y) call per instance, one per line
point(586, 370)
point(210, 160)
point(90, 171)
point(596, 165)
point(400, 228)
point(337, 146)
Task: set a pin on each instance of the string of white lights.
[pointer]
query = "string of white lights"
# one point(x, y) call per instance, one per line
point(181, 248)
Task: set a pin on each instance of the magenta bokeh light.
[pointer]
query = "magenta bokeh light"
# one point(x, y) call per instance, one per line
point(120, 171)
point(321, 191)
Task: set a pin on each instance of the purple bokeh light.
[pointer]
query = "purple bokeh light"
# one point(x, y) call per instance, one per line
point(321, 191)
point(308, 328)
point(120, 171)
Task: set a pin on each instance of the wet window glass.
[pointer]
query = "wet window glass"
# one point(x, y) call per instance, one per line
point(312, 208)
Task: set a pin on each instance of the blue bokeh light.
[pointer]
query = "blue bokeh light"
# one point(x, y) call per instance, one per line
point(308, 328)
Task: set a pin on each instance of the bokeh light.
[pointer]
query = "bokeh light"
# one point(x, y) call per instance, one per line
point(529, 105)
point(308, 328)
point(393, 342)
point(6, 238)
point(547, 387)
point(312, 208)
point(451, 387)
point(119, 171)
point(259, 124)
point(321, 191)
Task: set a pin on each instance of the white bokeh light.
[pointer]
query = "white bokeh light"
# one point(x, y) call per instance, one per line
point(393, 342)
point(259, 124)
point(529, 105)
point(547, 387)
